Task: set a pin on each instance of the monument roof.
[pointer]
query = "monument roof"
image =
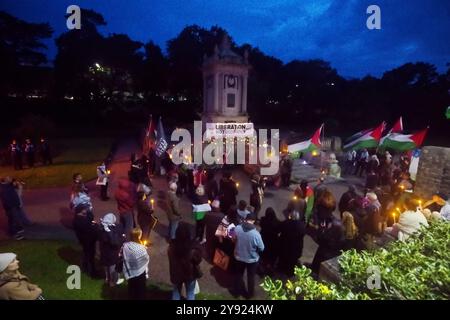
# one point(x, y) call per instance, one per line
point(224, 53)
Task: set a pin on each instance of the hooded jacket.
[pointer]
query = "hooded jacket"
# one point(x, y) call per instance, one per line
point(249, 244)
point(125, 196)
point(8, 196)
point(16, 286)
point(173, 206)
point(410, 222)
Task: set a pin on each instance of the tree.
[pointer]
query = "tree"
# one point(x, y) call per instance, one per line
point(155, 72)
point(96, 68)
point(20, 45)
point(77, 51)
point(185, 54)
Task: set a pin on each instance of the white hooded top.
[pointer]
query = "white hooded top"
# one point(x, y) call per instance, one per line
point(135, 259)
point(410, 222)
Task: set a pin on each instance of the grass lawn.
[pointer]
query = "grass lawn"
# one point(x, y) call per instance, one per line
point(45, 262)
point(76, 155)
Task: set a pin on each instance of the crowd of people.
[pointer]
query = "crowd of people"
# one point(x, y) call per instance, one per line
point(28, 153)
point(121, 238)
point(241, 240)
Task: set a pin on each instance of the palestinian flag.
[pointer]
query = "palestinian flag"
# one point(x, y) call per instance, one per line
point(397, 128)
point(150, 136)
point(309, 145)
point(368, 140)
point(358, 135)
point(404, 142)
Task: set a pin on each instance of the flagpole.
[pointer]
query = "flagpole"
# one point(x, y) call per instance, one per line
point(320, 150)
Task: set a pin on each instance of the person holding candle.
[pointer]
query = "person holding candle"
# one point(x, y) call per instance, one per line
point(102, 181)
point(173, 210)
point(135, 265)
point(228, 192)
point(111, 239)
point(145, 216)
point(409, 221)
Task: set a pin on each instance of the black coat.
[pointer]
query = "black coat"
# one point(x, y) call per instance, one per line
point(184, 268)
point(212, 189)
point(110, 245)
point(291, 239)
point(371, 181)
point(331, 239)
point(197, 200)
point(345, 200)
point(270, 231)
point(228, 193)
point(9, 196)
point(255, 199)
point(85, 230)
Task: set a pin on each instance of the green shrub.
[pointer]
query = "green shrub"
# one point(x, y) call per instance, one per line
point(416, 269)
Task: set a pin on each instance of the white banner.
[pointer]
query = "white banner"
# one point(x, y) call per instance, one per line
point(229, 130)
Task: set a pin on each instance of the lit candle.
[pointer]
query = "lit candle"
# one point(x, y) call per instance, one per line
point(393, 215)
point(108, 171)
point(237, 184)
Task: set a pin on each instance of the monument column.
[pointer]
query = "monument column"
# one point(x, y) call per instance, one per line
point(216, 92)
point(244, 93)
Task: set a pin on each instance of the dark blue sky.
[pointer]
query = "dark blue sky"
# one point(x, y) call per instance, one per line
point(334, 30)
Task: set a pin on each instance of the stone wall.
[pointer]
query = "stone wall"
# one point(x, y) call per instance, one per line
point(433, 174)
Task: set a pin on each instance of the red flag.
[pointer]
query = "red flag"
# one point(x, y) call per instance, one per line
point(316, 137)
point(376, 134)
point(418, 137)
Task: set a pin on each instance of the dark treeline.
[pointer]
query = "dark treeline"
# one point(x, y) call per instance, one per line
point(113, 80)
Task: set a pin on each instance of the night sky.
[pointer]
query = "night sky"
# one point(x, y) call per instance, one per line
point(333, 30)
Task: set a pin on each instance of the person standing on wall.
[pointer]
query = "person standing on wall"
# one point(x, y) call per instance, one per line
point(102, 181)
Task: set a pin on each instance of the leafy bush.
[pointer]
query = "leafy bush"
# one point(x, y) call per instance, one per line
point(416, 269)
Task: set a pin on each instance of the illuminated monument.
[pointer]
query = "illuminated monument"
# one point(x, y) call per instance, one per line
point(225, 76)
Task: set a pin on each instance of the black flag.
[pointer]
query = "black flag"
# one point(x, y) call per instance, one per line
point(161, 145)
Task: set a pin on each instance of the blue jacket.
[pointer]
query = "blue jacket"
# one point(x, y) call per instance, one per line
point(8, 196)
point(249, 243)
